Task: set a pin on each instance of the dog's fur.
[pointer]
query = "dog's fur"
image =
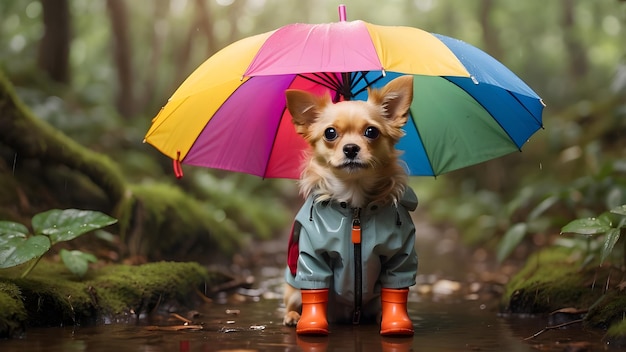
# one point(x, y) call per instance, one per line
point(351, 166)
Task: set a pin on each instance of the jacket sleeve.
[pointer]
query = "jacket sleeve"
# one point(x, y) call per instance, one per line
point(400, 270)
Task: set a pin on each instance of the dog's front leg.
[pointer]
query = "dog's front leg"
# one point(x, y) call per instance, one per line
point(293, 305)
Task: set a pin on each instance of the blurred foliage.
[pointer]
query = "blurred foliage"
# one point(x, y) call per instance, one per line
point(571, 52)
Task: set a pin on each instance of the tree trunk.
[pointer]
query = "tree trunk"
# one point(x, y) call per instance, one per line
point(490, 34)
point(202, 21)
point(160, 29)
point(54, 47)
point(578, 63)
point(118, 15)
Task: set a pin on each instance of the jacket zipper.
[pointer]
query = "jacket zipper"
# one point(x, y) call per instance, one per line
point(358, 270)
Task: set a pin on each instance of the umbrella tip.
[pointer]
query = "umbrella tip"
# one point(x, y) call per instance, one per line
point(342, 13)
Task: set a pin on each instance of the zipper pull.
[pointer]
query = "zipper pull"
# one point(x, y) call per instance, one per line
point(356, 225)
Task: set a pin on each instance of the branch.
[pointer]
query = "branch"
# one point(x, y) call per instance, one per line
point(553, 327)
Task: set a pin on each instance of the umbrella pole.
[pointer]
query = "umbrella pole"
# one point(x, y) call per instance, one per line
point(346, 86)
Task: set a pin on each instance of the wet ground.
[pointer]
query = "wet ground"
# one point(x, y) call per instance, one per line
point(454, 307)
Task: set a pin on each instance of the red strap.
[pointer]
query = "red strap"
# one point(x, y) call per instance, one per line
point(293, 250)
point(178, 169)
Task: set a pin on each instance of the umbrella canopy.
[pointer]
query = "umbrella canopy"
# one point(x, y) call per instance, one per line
point(230, 113)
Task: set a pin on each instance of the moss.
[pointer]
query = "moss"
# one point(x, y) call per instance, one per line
point(52, 296)
point(125, 288)
point(616, 335)
point(12, 310)
point(183, 222)
point(550, 280)
point(609, 310)
point(555, 278)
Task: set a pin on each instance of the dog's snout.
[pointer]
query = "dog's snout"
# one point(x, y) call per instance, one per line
point(351, 150)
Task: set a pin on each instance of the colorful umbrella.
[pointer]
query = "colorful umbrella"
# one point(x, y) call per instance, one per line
point(230, 113)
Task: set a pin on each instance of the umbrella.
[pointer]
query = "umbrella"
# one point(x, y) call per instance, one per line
point(230, 112)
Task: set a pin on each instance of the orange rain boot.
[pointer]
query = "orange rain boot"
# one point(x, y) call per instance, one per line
point(395, 320)
point(313, 319)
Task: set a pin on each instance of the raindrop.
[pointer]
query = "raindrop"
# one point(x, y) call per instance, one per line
point(474, 79)
point(14, 163)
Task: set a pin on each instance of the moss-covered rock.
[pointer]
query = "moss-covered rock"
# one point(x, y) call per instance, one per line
point(12, 310)
point(556, 278)
point(51, 295)
point(550, 280)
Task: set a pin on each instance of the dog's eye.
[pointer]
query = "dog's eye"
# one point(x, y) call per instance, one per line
point(371, 132)
point(330, 134)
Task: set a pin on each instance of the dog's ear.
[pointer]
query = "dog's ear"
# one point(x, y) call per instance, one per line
point(395, 98)
point(304, 107)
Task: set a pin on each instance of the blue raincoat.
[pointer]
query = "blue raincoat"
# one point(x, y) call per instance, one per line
point(322, 253)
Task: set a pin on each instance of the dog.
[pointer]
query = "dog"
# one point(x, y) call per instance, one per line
point(352, 172)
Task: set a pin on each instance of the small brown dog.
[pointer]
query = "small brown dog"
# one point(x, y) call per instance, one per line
point(356, 188)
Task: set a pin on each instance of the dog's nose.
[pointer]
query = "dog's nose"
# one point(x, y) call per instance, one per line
point(351, 150)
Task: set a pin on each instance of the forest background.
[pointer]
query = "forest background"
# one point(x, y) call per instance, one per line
point(99, 71)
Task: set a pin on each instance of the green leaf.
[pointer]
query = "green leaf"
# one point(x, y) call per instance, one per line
point(621, 210)
point(510, 240)
point(588, 226)
point(77, 262)
point(612, 236)
point(65, 225)
point(9, 227)
point(19, 249)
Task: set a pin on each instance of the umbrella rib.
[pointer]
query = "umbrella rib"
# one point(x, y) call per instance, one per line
point(525, 108)
point(326, 80)
point(368, 83)
point(419, 135)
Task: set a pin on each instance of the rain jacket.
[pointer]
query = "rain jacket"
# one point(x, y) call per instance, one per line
point(322, 253)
